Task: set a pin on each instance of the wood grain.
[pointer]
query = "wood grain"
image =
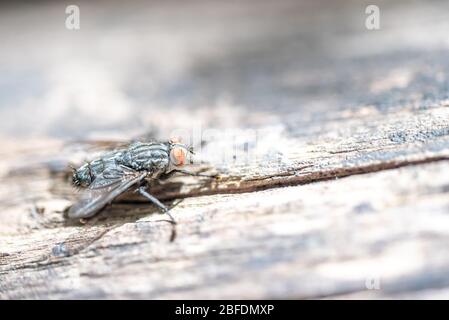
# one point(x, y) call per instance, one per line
point(317, 240)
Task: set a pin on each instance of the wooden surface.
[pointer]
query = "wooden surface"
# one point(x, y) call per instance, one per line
point(338, 188)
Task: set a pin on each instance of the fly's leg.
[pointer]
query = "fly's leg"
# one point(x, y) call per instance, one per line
point(161, 206)
point(155, 201)
point(175, 204)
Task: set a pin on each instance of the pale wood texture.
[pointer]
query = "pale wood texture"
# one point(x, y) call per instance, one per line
point(341, 186)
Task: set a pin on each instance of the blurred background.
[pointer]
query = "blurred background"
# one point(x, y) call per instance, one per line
point(144, 65)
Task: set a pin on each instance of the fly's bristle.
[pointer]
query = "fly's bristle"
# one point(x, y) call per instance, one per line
point(174, 140)
point(75, 181)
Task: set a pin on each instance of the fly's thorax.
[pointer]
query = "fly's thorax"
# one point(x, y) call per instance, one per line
point(147, 156)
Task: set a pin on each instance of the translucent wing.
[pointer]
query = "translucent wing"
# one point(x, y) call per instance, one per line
point(105, 188)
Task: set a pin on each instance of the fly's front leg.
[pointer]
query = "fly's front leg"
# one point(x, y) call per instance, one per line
point(155, 201)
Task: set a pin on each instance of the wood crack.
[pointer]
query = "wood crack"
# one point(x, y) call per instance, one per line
point(296, 178)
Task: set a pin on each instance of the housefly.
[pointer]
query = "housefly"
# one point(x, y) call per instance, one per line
point(116, 172)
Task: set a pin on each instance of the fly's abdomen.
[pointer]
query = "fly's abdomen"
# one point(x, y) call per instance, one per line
point(85, 174)
point(82, 176)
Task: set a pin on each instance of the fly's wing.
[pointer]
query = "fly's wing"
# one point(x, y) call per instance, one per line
point(105, 188)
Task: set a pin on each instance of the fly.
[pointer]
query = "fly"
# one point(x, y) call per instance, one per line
point(116, 172)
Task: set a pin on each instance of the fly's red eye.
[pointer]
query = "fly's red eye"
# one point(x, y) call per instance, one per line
point(178, 156)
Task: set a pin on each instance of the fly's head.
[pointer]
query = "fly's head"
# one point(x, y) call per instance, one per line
point(178, 154)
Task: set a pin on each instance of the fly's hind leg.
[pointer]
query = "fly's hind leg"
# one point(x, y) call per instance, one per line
point(160, 205)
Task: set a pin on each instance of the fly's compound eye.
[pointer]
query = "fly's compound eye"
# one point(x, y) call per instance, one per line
point(178, 156)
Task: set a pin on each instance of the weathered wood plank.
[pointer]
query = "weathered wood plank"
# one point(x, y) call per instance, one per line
point(314, 240)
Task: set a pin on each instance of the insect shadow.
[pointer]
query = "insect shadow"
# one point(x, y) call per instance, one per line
point(128, 207)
